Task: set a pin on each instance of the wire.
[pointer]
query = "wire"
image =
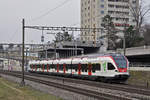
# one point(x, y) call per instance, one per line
point(13, 34)
point(50, 11)
point(75, 24)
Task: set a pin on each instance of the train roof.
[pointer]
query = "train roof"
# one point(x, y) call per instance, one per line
point(99, 55)
point(76, 59)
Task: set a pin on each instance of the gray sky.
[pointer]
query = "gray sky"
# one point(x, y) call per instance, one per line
point(12, 12)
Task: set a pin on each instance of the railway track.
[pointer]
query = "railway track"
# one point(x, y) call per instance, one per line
point(37, 78)
point(120, 87)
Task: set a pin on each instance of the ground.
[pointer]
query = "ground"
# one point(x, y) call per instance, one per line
point(12, 91)
point(139, 78)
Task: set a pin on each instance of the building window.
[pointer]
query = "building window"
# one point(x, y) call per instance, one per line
point(111, 6)
point(102, 12)
point(133, 2)
point(102, 6)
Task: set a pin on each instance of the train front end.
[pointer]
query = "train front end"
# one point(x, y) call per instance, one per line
point(121, 73)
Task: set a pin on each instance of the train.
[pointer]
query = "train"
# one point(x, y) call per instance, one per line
point(101, 67)
point(10, 64)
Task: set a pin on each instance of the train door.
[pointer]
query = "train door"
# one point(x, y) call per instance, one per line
point(57, 68)
point(43, 67)
point(64, 68)
point(79, 69)
point(89, 69)
point(107, 69)
point(104, 68)
point(47, 68)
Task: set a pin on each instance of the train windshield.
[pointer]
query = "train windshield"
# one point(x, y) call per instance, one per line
point(120, 61)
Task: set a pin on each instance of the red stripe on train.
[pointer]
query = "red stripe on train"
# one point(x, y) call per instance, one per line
point(47, 68)
point(79, 69)
point(64, 68)
point(35, 68)
point(43, 67)
point(57, 68)
point(89, 69)
point(122, 69)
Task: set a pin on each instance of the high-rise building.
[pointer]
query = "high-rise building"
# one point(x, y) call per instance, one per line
point(93, 11)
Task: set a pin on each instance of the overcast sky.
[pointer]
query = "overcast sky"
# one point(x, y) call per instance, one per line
point(36, 12)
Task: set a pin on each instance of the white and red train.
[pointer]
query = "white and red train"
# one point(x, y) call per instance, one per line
point(105, 67)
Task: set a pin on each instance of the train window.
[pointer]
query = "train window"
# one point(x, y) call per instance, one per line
point(67, 67)
point(46, 66)
point(61, 67)
point(93, 68)
point(96, 67)
point(73, 66)
point(55, 66)
point(51, 66)
point(76, 67)
point(84, 67)
point(110, 66)
point(31, 66)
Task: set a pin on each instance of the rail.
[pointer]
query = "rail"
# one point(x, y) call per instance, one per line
point(86, 92)
point(119, 87)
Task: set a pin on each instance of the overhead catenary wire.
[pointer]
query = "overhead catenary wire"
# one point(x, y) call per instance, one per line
point(13, 34)
point(50, 11)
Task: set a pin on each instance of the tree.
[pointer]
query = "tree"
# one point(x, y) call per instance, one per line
point(132, 39)
point(63, 37)
point(130, 36)
point(110, 31)
point(139, 13)
point(146, 34)
point(67, 37)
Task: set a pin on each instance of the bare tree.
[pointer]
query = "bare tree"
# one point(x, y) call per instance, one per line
point(146, 34)
point(139, 13)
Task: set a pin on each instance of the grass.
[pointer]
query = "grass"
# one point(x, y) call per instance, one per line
point(139, 77)
point(12, 91)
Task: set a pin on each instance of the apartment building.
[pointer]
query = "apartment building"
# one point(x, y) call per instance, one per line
point(92, 12)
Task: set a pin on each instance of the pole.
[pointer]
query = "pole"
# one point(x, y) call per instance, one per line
point(76, 51)
point(124, 45)
point(23, 30)
point(55, 51)
point(26, 58)
point(124, 41)
point(46, 52)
